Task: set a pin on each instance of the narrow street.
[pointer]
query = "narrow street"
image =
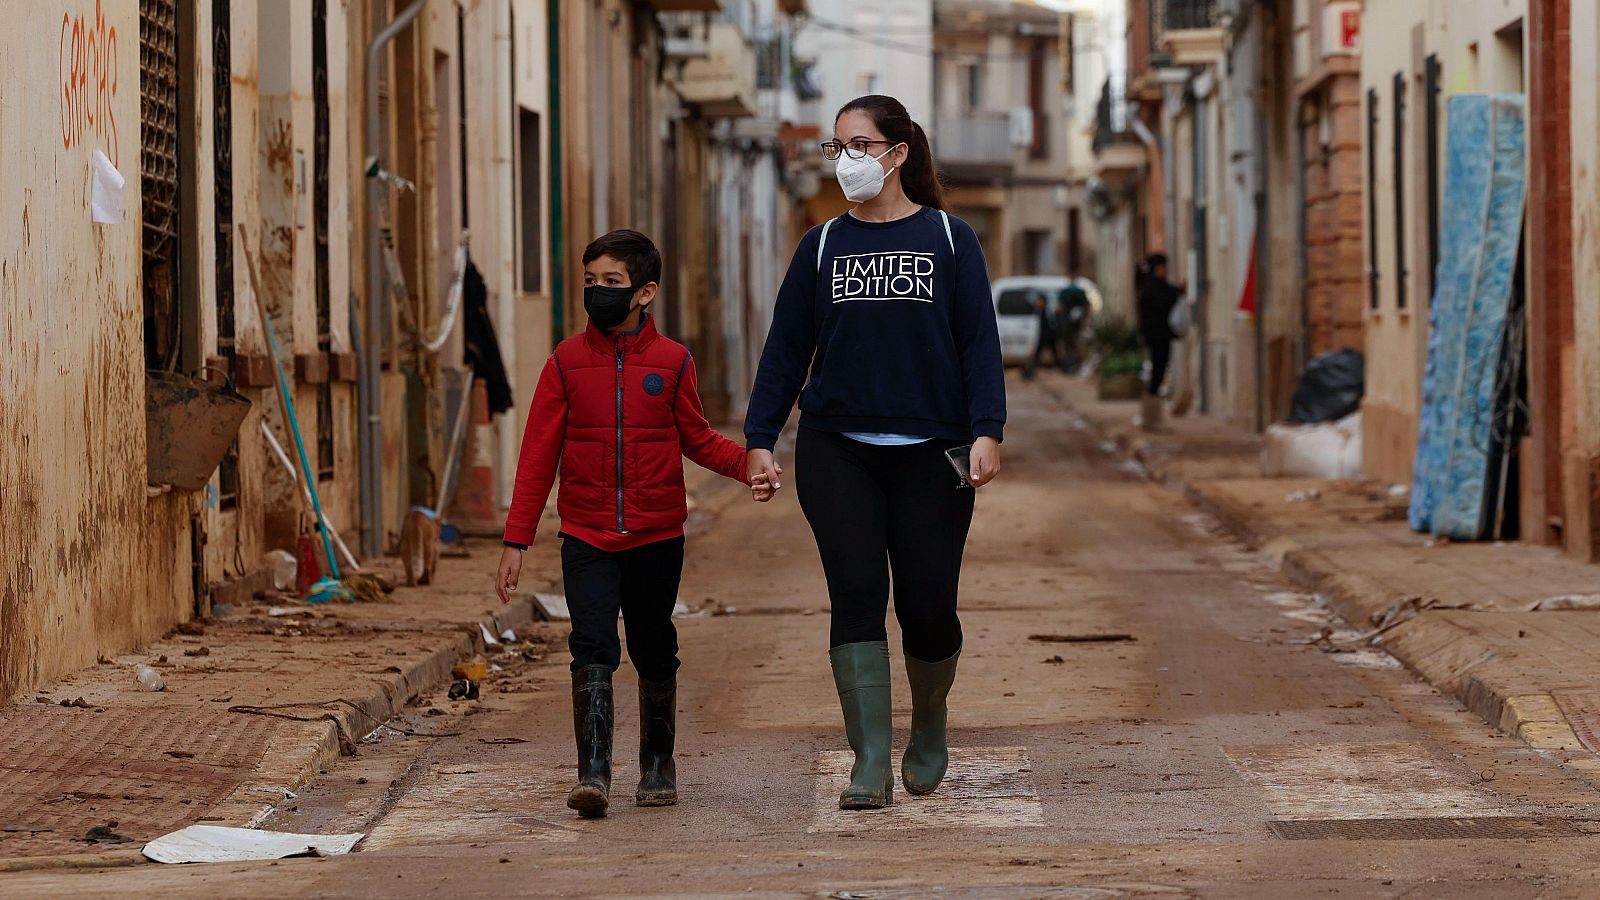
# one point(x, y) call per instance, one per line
point(1215, 753)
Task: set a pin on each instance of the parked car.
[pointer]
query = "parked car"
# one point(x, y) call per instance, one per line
point(1016, 312)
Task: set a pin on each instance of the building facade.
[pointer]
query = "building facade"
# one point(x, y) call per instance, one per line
point(332, 163)
point(1002, 87)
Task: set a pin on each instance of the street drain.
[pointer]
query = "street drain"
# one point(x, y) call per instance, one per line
point(1465, 828)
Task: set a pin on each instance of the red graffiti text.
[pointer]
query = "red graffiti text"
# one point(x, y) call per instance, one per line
point(88, 69)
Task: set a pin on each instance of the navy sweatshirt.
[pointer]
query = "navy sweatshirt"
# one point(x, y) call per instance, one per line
point(893, 331)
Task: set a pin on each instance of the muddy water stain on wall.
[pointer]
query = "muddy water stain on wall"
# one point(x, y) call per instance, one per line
point(88, 562)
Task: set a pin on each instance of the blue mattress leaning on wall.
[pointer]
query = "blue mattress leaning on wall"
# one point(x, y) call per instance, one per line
point(1459, 450)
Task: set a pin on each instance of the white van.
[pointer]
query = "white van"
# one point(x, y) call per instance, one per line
point(1018, 320)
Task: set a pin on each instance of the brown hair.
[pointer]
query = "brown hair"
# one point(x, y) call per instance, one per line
point(634, 250)
point(918, 177)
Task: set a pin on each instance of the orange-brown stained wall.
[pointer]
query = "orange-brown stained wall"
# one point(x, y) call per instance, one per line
point(88, 562)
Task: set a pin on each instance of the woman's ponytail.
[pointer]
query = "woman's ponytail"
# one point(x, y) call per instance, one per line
point(919, 177)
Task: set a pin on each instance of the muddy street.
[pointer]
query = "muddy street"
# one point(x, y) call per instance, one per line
point(1196, 745)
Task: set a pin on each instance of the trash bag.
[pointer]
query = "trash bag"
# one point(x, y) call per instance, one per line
point(1330, 388)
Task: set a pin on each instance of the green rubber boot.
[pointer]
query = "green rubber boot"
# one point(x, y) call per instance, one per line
point(861, 673)
point(928, 753)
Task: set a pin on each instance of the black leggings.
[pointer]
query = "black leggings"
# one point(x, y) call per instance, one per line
point(876, 509)
point(642, 584)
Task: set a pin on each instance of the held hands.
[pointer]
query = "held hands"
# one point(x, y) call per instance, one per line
point(984, 461)
point(765, 475)
point(505, 581)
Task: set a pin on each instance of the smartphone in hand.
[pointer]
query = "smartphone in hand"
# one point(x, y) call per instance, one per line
point(961, 460)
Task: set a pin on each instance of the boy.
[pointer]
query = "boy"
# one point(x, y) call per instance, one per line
point(618, 408)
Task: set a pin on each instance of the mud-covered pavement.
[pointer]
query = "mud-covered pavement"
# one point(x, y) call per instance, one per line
point(1216, 753)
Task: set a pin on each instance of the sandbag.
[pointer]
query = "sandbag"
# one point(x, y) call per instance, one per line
point(1324, 450)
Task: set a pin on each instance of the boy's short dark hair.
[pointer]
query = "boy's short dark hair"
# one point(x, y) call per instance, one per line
point(632, 249)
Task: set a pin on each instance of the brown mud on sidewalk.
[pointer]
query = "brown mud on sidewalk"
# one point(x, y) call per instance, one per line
point(256, 704)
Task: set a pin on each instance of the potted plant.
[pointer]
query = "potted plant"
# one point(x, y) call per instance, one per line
point(1120, 360)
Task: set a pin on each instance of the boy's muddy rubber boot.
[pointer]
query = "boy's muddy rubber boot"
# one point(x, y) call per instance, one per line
point(861, 673)
point(592, 717)
point(658, 773)
point(928, 753)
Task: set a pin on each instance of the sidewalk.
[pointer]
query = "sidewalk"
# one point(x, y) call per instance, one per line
point(142, 764)
point(1461, 616)
point(145, 763)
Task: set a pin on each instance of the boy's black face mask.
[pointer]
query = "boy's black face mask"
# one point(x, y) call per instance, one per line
point(608, 307)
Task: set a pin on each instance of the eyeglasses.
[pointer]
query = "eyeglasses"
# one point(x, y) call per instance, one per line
point(856, 149)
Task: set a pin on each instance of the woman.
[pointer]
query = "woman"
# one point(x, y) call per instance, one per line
point(885, 320)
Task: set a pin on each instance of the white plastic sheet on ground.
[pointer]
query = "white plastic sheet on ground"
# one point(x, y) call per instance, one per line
point(215, 843)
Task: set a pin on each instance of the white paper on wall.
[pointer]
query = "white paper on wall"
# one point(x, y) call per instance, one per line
point(105, 191)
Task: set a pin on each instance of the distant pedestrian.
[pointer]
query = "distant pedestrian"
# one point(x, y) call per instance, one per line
point(1073, 310)
point(885, 330)
point(1157, 298)
point(1047, 335)
point(617, 408)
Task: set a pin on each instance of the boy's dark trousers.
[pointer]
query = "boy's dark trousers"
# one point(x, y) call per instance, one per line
point(642, 584)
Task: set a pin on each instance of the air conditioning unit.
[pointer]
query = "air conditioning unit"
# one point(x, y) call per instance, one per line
point(1021, 126)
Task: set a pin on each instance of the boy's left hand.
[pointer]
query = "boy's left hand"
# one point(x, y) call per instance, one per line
point(761, 489)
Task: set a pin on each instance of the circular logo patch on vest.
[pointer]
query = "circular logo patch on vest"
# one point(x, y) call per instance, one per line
point(654, 385)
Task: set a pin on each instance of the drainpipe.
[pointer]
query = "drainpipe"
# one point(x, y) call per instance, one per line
point(370, 405)
point(1152, 144)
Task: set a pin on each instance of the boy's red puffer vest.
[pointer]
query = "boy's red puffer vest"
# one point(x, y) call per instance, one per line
point(621, 412)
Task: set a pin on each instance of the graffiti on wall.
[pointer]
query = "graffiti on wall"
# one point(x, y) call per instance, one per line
point(88, 72)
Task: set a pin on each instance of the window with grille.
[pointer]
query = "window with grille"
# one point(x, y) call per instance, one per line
point(1401, 233)
point(159, 181)
point(1430, 98)
point(1372, 197)
point(532, 203)
point(325, 431)
point(222, 171)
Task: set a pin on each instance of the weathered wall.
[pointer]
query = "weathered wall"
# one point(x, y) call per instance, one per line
point(88, 562)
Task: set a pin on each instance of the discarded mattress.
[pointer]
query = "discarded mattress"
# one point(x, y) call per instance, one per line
point(1460, 451)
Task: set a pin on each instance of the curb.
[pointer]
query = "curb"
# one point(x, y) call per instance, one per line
point(392, 693)
point(1452, 659)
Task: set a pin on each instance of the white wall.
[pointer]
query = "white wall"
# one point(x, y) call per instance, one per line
point(854, 42)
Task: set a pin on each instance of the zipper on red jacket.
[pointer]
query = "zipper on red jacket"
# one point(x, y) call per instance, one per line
point(621, 528)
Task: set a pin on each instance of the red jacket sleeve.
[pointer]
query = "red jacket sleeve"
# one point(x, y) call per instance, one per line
point(700, 443)
point(540, 456)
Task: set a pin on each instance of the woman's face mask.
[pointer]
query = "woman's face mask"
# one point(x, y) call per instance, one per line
point(608, 306)
point(862, 179)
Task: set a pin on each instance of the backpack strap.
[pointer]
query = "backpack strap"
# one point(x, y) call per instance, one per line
point(822, 241)
point(949, 236)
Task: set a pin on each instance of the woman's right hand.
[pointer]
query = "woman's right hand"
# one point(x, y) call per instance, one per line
point(764, 473)
point(505, 581)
